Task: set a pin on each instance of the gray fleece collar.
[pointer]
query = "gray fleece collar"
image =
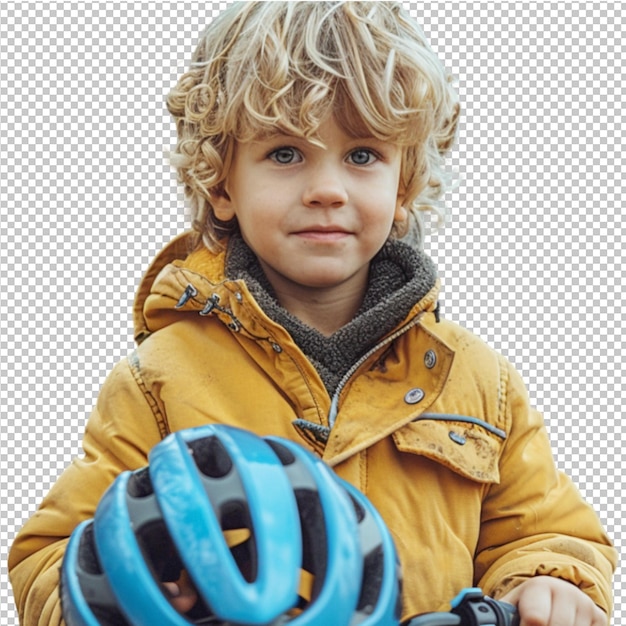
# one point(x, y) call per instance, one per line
point(400, 277)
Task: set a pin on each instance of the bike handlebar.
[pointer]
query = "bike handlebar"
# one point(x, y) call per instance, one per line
point(471, 608)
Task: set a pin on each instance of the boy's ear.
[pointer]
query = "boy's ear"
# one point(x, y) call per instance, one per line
point(401, 214)
point(223, 207)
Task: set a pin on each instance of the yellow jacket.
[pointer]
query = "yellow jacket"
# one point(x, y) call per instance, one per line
point(433, 426)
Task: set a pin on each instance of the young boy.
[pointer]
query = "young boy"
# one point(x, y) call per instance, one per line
point(311, 134)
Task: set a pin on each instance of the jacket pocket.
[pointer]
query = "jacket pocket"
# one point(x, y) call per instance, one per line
point(466, 445)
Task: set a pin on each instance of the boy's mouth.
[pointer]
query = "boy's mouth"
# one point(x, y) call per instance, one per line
point(323, 233)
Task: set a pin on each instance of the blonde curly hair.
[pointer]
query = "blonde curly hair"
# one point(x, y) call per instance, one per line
point(267, 67)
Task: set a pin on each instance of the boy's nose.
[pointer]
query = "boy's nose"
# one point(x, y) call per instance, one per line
point(325, 189)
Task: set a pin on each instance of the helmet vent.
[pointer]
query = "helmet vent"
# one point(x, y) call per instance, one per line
point(358, 509)
point(87, 557)
point(314, 540)
point(109, 617)
point(373, 573)
point(159, 551)
point(211, 457)
point(139, 484)
point(285, 455)
point(235, 516)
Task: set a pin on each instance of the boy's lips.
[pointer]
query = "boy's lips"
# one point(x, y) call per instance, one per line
point(322, 233)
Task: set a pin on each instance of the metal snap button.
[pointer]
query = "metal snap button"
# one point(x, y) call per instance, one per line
point(413, 396)
point(430, 359)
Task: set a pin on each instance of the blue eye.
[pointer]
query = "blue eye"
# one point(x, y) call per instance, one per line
point(362, 156)
point(285, 156)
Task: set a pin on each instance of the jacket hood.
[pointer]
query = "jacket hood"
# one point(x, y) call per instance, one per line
point(160, 287)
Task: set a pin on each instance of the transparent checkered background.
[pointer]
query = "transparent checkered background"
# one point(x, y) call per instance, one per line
point(531, 257)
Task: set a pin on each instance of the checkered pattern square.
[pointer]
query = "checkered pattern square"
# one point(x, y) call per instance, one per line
point(531, 256)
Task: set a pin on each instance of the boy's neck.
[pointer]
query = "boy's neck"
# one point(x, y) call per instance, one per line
point(325, 309)
point(325, 314)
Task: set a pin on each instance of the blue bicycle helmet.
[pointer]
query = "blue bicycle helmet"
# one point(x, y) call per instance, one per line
point(295, 516)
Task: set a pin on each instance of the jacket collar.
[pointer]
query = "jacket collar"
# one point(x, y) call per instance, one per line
point(187, 277)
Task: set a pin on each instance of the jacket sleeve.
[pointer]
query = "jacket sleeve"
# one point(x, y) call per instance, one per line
point(120, 432)
point(535, 521)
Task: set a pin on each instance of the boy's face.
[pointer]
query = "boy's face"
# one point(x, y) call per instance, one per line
point(314, 217)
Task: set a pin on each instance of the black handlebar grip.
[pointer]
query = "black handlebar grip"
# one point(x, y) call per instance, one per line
point(471, 608)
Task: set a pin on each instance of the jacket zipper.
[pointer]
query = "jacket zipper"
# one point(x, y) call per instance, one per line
point(334, 405)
